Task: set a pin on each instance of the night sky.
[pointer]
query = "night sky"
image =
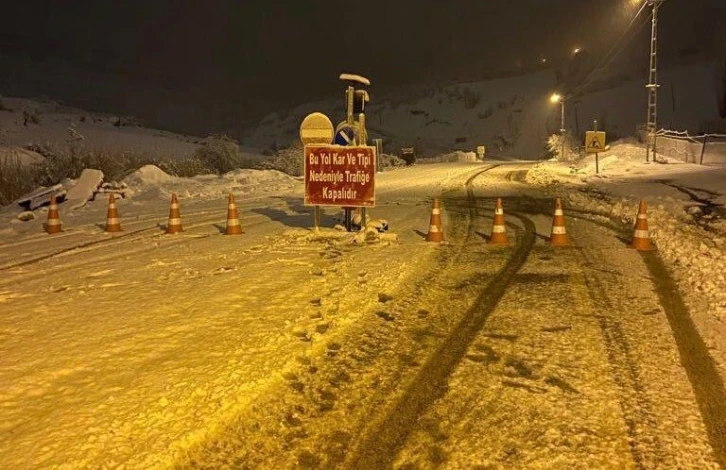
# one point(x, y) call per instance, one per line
point(233, 61)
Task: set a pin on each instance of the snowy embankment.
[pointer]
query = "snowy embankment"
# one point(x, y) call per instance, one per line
point(24, 122)
point(691, 240)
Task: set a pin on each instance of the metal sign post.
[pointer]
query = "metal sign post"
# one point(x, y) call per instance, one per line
point(597, 154)
point(595, 143)
point(353, 132)
point(379, 150)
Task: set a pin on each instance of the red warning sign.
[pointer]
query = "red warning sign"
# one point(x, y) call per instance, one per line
point(337, 175)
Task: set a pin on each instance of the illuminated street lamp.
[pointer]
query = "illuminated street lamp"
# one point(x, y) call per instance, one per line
point(576, 50)
point(557, 98)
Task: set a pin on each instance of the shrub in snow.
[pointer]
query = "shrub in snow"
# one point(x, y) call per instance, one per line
point(391, 161)
point(287, 160)
point(70, 160)
point(185, 168)
point(554, 147)
point(15, 179)
point(220, 154)
point(31, 116)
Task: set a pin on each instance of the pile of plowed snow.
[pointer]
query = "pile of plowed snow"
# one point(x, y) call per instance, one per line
point(150, 182)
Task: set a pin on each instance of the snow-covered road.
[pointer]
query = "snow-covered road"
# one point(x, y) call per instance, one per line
point(285, 348)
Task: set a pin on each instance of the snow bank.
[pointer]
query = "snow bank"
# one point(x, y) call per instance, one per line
point(150, 182)
point(696, 255)
point(147, 174)
point(457, 156)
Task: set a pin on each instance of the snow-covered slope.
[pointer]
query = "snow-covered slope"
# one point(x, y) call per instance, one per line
point(24, 122)
point(512, 116)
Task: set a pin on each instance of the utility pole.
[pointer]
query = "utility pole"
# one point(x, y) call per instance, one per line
point(652, 85)
point(562, 126)
point(557, 98)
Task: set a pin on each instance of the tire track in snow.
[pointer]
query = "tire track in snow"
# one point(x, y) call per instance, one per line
point(706, 382)
point(701, 369)
point(381, 441)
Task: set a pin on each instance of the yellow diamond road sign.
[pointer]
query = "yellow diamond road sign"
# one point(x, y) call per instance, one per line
point(316, 128)
point(594, 141)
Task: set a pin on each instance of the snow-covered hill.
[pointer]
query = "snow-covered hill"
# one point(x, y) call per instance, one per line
point(24, 122)
point(513, 116)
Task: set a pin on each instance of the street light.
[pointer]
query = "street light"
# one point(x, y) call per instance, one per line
point(557, 98)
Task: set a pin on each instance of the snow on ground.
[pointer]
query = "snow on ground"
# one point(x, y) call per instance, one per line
point(134, 353)
point(129, 354)
point(686, 217)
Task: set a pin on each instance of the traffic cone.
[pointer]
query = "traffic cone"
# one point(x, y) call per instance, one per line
point(499, 229)
point(112, 222)
point(233, 226)
point(175, 224)
point(558, 237)
point(436, 233)
point(54, 223)
point(641, 237)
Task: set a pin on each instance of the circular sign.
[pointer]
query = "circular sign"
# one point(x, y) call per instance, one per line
point(346, 134)
point(316, 128)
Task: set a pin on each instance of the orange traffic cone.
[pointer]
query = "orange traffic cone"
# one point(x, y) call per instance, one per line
point(54, 223)
point(112, 222)
point(174, 225)
point(641, 237)
point(233, 226)
point(558, 237)
point(436, 233)
point(499, 229)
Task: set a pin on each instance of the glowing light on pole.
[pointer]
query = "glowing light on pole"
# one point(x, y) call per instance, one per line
point(557, 98)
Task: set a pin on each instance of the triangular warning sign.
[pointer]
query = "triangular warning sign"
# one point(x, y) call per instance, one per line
point(595, 144)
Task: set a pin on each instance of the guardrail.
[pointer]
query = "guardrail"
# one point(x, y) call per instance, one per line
point(704, 149)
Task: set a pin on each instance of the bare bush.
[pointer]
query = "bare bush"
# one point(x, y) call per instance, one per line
point(289, 160)
point(15, 179)
point(221, 154)
point(555, 147)
point(185, 168)
point(391, 161)
point(31, 116)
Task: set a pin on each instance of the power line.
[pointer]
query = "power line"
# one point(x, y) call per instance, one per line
point(614, 51)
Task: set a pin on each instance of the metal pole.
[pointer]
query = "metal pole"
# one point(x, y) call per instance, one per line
point(703, 149)
point(597, 155)
point(652, 86)
point(562, 126)
point(350, 97)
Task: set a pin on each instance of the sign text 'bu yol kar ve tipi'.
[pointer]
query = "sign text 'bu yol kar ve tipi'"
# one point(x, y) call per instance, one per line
point(340, 175)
